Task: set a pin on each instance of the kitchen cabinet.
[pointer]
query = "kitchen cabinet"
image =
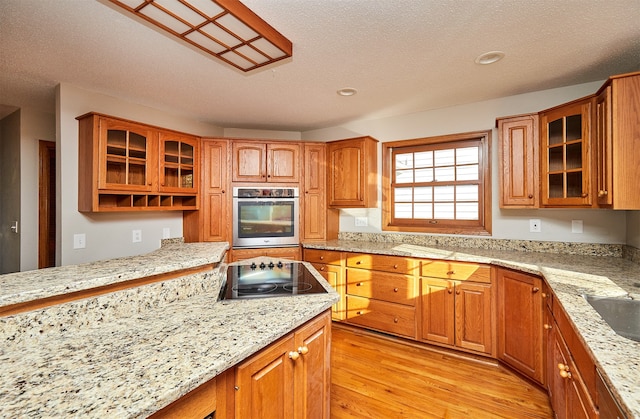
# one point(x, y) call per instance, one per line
point(197, 404)
point(565, 148)
point(255, 161)
point(330, 264)
point(213, 222)
point(607, 405)
point(519, 161)
point(352, 178)
point(289, 253)
point(288, 379)
point(457, 305)
point(617, 149)
point(318, 222)
point(520, 322)
point(382, 293)
point(567, 389)
point(129, 166)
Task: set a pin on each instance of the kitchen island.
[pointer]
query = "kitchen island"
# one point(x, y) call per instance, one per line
point(569, 276)
point(129, 353)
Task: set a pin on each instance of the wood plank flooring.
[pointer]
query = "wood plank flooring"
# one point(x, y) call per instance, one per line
point(375, 376)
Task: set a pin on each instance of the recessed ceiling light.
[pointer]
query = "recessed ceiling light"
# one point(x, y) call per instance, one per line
point(489, 57)
point(347, 91)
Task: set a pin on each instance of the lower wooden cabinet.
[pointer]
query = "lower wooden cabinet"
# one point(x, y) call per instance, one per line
point(330, 264)
point(520, 322)
point(607, 405)
point(290, 253)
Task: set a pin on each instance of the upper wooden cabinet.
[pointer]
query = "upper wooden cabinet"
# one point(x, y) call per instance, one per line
point(617, 142)
point(352, 178)
point(256, 161)
point(565, 144)
point(519, 161)
point(129, 166)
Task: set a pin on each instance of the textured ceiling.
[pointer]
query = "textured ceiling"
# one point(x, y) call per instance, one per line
point(402, 56)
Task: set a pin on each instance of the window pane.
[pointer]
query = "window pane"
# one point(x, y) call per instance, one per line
point(404, 176)
point(424, 175)
point(443, 193)
point(466, 211)
point(445, 174)
point(423, 211)
point(423, 194)
point(404, 161)
point(467, 193)
point(403, 211)
point(467, 155)
point(444, 157)
point(443, 211)
point(467, 172)
point(424, 159)
point(403, 194)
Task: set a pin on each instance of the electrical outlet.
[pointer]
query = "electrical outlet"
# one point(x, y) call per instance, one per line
point(79, 241)
point(535, 226)
point(136, 236)
point(361, 221)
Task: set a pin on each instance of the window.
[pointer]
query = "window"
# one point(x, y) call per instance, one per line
point(438, 184)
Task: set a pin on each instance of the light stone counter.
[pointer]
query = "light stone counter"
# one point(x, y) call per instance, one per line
point(174, 255)
point(130, 353)
point(570, 276)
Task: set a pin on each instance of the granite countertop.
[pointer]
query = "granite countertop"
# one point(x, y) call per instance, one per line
point(128, 354)
point(569, 276)
point(26, 286)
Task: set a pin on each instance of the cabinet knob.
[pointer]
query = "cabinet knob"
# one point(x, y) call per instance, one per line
point(548, 327)
point(584, 195)
point(544, 295)
point(457, 291)
point(322, 268)
point(395, 290)
point(395, 266)
point(535, 289)
point(564, 370)
point(359, 284)
point(359, 262)
point(223, 191)
point(321, 257)
point(294, 355)
point(450, 290)
point(530, 196)
point(451, 272)
point(303, 350)
point(359, 313)
point(395, 320)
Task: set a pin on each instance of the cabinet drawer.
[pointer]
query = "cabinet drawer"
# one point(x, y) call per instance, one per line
point(455, 270)
point(385, 263)
point(331, 257)
point(394, 288)
point(381, 315)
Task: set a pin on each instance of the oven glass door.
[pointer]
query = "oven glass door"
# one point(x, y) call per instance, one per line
point(265, 222)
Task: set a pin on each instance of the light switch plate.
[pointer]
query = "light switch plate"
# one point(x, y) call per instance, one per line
point(79, 241)
point(576, 226)
point(136, 236)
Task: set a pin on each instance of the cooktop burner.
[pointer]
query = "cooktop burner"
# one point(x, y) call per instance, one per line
point(272, 279)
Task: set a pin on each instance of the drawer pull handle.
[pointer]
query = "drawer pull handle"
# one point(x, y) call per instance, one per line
point(451, 272)
point(564, 370)
point(359, 262)
point(359, 284)
point(395, 290)
point(294, 355)
point(457, 291)
point(321, 257)
point(303, 350)
point(535, 289)
point(359, 313)
point(548, 327)
point(322, 268)
point(450, 290)
point(395, 320)
point(530, 196)
point(395, 266)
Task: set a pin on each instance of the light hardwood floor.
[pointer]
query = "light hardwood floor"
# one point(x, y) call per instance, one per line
point(375, 376)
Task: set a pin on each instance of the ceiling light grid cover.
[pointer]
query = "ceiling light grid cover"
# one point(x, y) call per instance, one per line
point(226, 29)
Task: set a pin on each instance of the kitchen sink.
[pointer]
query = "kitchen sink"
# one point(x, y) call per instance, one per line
point(622, 314)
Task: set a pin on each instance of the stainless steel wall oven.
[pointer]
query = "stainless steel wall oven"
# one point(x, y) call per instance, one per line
point(265, 217)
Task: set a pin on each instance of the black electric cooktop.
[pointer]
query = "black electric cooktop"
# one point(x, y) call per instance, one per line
point(269, 279)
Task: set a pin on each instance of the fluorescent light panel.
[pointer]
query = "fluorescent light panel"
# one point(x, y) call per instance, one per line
point(226, 29)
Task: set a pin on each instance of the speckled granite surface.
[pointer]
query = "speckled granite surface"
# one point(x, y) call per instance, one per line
point(111, 356)
point(172, 256)
point(570, 276)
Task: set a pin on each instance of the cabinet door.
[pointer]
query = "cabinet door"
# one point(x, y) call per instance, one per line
point(313, 200)
point(352, 176)
point(565, 149)
point(520, 328)
point(265, 383)
point(519, 162)
point(283, 162)
point(249, 162)
point(127, 156)
point(215, 198)
point(473, 317)
point(179, 159)
point(312, 369)
point(335, 277)
point(603, 149)
point(438, 310)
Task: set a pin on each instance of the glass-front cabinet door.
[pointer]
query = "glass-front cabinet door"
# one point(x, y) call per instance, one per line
point(566, 141)
point(125, 163)
point(178, 163)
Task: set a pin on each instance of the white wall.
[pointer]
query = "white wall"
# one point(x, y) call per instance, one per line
point(600, 226)
point(108, 235)
point(34, 126)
